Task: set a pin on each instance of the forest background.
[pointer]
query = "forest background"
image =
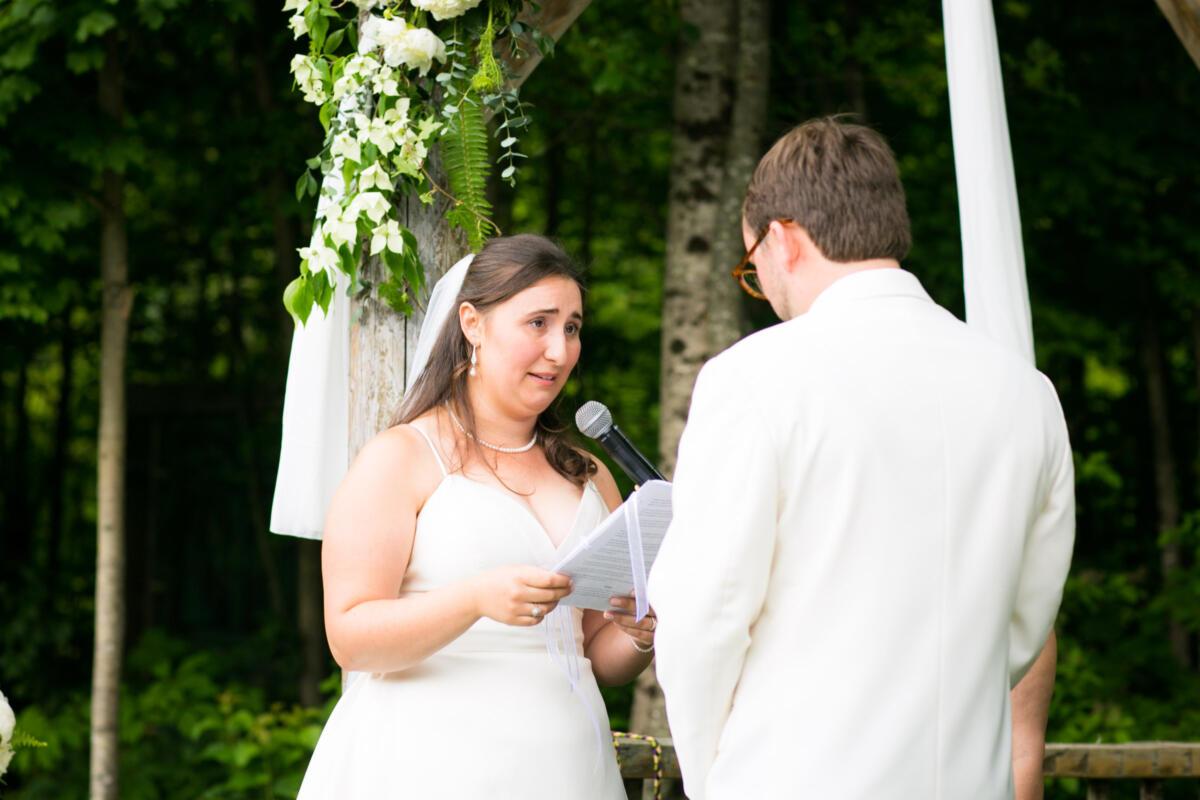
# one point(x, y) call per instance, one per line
point(226, 679)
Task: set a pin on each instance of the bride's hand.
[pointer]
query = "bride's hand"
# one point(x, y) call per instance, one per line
point(520, 594)
point(623, 613)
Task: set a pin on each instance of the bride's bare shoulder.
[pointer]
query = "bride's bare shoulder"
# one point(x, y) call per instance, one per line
point(399, 457)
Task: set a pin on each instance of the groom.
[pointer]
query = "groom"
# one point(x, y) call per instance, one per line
point(874, 514)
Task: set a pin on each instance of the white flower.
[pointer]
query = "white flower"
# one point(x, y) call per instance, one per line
point(384, 83)
point(346, 146)
point(360, 65)
point(387, 236)
point(8, 721)
point(308, 79)
point(445, 9)
point(412, 47)
point(341, 227)
point(388, 32)
point(373, 203)
point(398, 114)
point(303, 69)
point(295, 5)
point(343, 86)
point(376, 132)
point(374, 177)
point(320, 257)
point(298, 25)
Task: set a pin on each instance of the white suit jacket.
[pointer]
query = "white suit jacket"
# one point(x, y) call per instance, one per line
point(874, 516)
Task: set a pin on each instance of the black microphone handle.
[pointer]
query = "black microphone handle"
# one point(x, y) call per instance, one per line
point(636, 465)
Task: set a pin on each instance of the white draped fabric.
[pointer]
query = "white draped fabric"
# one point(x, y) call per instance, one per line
point(314, 453)
point(993, 258)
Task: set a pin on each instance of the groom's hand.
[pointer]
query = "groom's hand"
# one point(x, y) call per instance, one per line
point(519, 595)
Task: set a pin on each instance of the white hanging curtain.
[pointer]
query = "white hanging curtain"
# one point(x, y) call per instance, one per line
point(993, 258)
point(314, 454)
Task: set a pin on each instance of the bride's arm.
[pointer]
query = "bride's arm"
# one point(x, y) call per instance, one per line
point(606, 645)
point(367, 544)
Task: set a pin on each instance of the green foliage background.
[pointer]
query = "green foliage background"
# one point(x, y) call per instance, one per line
point(1103, 108)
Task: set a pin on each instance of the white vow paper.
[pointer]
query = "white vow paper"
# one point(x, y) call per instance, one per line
point(613, 559)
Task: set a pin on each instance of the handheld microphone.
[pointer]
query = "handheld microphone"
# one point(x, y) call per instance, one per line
point(594, 421)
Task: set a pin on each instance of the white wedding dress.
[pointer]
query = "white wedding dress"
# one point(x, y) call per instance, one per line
point(492, 714)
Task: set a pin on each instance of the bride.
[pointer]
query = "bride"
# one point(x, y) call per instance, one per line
point(435, 562)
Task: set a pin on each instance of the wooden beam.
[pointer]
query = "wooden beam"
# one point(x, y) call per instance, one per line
point(1135, 760)
point(553, 18)
point(1184, 16)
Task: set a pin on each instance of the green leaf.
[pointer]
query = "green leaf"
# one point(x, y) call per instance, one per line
point(396, 297)
point(298, 299)
point(302, 185)
point(94, 23)
point(465, 157)
point(334, 40)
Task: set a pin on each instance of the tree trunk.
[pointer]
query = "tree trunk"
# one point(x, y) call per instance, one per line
point(56, 479)
point(110, 492)
point(727, 320)
point(1165, 474)
point(699, 147)
point(698, 151)
point(18, 518)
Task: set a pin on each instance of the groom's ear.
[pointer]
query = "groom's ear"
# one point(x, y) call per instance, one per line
point(796, 246)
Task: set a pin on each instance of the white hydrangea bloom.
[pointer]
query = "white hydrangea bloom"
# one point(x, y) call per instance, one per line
point(346, 146)
point(445, 9)
point(413, 47)
point(374, 177)
point(298, 25)
point(387, 236)
point(295, 5)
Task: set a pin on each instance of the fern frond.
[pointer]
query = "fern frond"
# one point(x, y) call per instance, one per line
point(465, 157)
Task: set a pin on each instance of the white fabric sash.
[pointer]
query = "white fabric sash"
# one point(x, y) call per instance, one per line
point(997, 297)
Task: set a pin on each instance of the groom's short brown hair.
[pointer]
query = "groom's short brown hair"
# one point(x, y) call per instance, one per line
point(840, 182)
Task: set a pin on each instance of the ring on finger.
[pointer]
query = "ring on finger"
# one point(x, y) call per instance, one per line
point(536, 611)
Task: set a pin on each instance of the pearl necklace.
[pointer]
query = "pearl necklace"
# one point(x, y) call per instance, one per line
point(525, 448)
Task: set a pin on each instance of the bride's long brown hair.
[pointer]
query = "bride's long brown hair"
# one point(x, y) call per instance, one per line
point(506, 266)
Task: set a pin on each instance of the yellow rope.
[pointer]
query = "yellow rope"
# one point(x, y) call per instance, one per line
point(657, 760)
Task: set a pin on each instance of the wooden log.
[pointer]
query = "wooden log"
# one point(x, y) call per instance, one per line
point(1184, 16)
point(1137, 760)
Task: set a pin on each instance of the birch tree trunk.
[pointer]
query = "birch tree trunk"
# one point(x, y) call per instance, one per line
point(703, 80)
point(110, 516)
point(747, 132)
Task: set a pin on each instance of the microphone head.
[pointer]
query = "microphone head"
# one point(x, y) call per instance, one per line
point(593, 419)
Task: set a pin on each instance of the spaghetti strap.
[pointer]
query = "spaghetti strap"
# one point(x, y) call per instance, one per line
point(433, 448)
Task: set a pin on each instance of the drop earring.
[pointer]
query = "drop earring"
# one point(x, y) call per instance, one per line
point(474, 361)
